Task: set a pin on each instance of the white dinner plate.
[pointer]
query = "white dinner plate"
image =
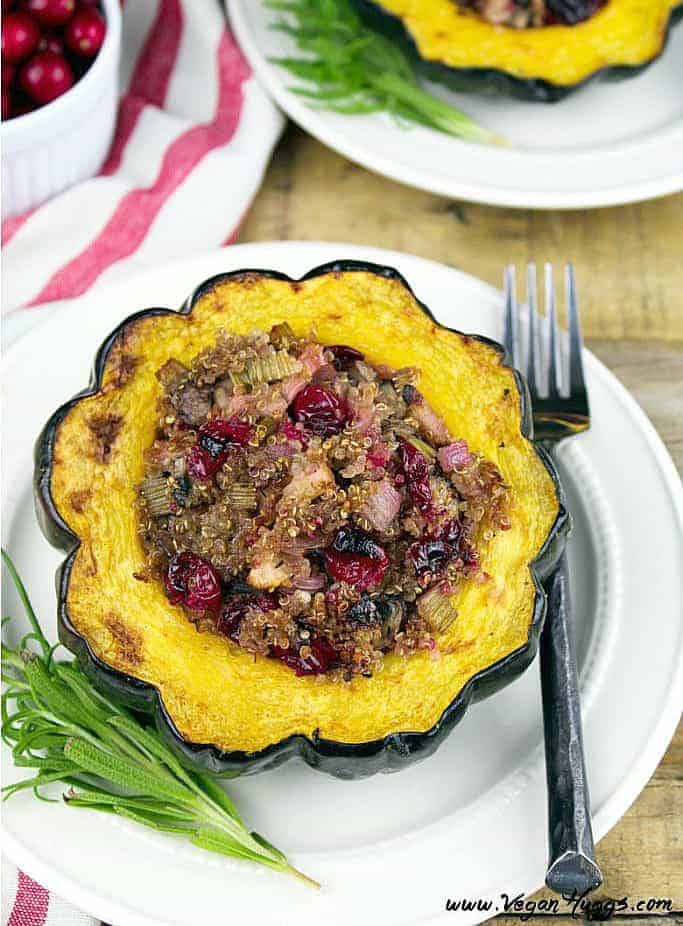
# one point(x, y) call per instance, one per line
point(607, 143)
point(470, 822)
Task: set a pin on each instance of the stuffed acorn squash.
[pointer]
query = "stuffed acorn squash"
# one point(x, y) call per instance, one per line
point(455, 45)
point(222, 706)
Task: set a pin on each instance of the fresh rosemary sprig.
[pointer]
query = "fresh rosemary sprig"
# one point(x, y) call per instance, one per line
point(356, 70)
point(57, 724)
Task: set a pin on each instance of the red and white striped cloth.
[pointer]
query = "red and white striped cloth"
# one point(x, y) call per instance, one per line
point(194, 135)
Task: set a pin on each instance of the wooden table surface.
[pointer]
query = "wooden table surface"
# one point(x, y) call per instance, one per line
point(629, 264)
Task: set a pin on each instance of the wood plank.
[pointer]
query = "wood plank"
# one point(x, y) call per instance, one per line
point(630, 269)
point(628, 259)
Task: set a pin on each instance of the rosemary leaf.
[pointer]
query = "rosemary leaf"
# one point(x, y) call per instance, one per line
point(64, 730)
point(356, 70)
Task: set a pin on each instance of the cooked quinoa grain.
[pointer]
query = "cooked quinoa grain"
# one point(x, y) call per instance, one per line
point(311, 506)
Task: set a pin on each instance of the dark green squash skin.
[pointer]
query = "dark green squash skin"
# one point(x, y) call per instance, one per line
point(492, 81)
point(342, 760)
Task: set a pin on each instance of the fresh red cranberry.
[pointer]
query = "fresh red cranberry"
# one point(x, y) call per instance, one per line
point(192, 581)
point(50, 13)
point(571, 11)
point(8, 72)
point(416, 471)
point(344, 356)
point(322, 656)
point(85, 33)
point(46, 76)
point(50, 41)
point(6, 104)
point(320, 410)
point(20, 36)
point(355, 558)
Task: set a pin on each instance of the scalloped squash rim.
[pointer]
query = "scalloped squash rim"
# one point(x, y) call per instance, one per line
point(342, 758)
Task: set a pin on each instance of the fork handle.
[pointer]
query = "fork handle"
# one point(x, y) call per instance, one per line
point(572, 868)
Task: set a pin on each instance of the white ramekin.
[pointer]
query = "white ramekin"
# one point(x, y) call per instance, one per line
point(50, 149)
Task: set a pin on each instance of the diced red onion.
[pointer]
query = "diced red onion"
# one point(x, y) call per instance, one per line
point(454, 456)
point(383, 506)
point(312, 583)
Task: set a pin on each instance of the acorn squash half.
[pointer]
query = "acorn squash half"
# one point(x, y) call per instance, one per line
point(457, 47)
point(221, 707)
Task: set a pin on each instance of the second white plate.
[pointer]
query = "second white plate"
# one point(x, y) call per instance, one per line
point(470, 822)
point(607, 143)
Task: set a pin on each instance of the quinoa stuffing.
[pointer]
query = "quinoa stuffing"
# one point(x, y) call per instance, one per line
point(311, 506)
point(527, 14)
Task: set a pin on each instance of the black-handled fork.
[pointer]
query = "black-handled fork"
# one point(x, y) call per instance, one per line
point(560, 409)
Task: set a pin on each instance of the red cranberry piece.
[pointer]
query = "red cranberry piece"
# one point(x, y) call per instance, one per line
point(322, 656)
point(201, 465)
point(355, 558)
point(20, 36)
point(220, 433)
point(46, 76)
point(236, 607)
point(320, 410)
point(192, 581)
point(50, 13)
point(429, 555)
point(416, 471)
point(85, 33)
point(291, 432)
point(216, 438)
point(51, 42)
point(6, 104)
point(345, 356)
point(8, 72)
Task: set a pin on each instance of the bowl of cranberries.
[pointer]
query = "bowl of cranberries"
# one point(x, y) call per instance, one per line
point(59, 95)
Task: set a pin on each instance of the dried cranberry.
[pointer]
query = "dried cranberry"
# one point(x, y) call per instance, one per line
point(572, 11)
point(429, 555)
point(411, 395)
point(321, 658)
point(320, 410)
point(201, 465)
point(216, 438)
point(344, 356)
point(220, 433)
point(193, 582)
point(291, 432)
point(355, 558)
point(451, 533)
point(235, 609)
point(416, 470)
point(364, 613)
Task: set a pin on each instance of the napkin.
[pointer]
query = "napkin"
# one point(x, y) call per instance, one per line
point(195, 132)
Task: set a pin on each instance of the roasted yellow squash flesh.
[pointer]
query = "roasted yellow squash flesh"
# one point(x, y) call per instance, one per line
point(214, 692)
point(623, 33)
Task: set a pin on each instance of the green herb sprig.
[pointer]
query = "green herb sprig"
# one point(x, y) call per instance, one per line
point(57, 724)
point(356, 70)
